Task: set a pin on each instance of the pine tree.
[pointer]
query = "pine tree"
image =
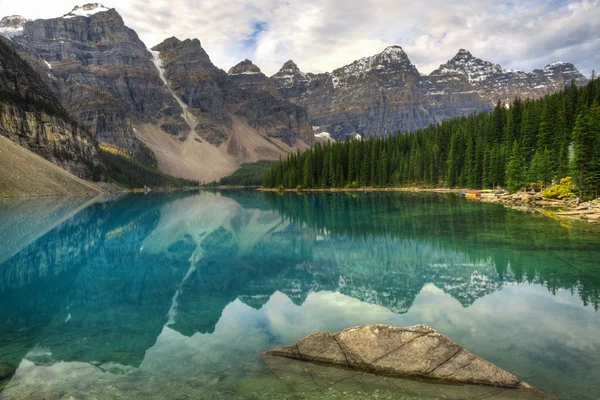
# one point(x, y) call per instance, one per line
point(515, 170)
point(586, 158)
point(540, 169)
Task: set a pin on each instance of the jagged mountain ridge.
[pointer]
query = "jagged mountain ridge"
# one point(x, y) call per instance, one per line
point(201, 122)
point(109, 81)
point(385, 93)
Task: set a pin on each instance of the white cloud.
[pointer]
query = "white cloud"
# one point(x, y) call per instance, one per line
point(321, 35)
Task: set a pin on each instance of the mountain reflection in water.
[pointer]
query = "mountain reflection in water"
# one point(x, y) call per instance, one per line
point(192, 287)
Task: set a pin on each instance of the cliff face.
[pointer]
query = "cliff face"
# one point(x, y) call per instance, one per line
point(226, 124)
point(384, 94)
point(101, 72)
point(216, 98)
point(33, 117)
point(169, 105)
point(286, 121)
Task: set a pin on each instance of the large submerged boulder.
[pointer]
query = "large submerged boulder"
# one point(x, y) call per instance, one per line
point(416, 351)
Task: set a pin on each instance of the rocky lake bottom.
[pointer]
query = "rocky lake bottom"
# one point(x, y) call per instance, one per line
point(176, 295)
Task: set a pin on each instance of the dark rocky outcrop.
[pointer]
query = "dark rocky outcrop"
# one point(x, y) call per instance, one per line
point(101, 72)
point(415, 351)
point(384, 94)
point(6, 372)
point(33, 117)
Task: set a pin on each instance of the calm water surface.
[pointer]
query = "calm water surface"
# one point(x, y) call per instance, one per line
point(175, 296)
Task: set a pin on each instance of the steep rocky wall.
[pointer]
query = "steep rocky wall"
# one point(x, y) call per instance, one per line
point(103, 75)
point(33, 117)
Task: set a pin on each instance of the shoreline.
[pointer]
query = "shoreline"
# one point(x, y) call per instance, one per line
point(368, 189)
point(565, 209)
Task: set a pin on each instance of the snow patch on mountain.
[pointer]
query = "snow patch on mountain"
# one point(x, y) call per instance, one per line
point(289, 75)
point(11, 32)
point(189, 118)
point(324, 135)
point(12, 26)
point(475, 69)
point(382, 62)
point(87, 10)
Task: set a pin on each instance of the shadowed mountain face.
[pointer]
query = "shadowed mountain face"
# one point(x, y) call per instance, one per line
point(32, 116)
point(384, 93)
point(101, 72)
point(122, 285)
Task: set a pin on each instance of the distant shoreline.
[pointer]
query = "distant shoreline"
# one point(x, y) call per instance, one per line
point(368, 189)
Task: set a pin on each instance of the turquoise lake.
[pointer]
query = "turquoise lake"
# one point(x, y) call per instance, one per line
point(176, 295)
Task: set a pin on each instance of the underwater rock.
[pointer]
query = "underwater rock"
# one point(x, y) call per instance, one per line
point(415, 351)
point(307, 377)
point(6, 372)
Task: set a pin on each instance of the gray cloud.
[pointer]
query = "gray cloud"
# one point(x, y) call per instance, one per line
point(321, 35)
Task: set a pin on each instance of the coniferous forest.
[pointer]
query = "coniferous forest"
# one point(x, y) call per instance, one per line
point(529, 143)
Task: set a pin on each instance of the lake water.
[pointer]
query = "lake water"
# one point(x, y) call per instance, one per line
point(175, 296)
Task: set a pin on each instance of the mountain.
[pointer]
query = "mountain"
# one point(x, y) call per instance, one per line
point(385, 93)
point(32, 116)
point(172, 107)
point(100, 71)
point(168, 106)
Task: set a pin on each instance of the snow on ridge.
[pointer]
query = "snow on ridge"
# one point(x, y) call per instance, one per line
point(380, 62)
point(245, 73)
point(475, 69)
point(559, 64)
point(87, 10)
point(324, 135)
point(13, 21)
point(10, 33)
point(12, 26)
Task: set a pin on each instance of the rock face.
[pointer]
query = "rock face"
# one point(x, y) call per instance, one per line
point(415, 351)
point(101, 72)
point(384, 94)
point(33, 117)
point(169, 106)
point(217, 98)
point(228, 124)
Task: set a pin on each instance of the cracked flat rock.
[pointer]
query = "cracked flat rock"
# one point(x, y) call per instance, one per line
point(415, 351)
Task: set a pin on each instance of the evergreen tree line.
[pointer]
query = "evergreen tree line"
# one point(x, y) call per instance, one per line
point(530, 143)
point(129, 172)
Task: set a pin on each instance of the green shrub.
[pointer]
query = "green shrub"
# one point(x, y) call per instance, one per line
point(560, 190)
point(248, 174)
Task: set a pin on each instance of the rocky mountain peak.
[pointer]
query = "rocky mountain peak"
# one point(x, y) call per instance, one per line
point(289, 75)
point(464, 63)
point(560, 71)
point(86, 10)
point(169, 43)
point(289, 65)
point(12, 26)
point(13, 21)
point(559, 65)
point(244, 67)
point(463, 54)
point(391, 61)
point(394, 53)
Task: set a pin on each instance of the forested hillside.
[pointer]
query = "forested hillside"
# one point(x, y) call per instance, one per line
point(526, 143)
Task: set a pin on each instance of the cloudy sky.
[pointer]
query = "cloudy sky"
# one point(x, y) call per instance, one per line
point(321, 35)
